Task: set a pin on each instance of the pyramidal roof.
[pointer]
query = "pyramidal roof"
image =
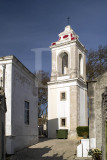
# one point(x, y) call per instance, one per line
point(67, 36)
point(68, 30)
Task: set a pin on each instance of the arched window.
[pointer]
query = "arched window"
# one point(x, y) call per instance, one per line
point(80, 65)
point(62, 64)
point(65, 64)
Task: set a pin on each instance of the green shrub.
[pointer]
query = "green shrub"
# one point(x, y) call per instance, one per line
point(83, 131)
point(62, 133)
point(95, 153)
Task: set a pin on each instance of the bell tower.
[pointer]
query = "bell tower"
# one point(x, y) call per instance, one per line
point(67, 91)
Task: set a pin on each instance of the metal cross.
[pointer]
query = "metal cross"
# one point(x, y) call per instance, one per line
point(68, 20)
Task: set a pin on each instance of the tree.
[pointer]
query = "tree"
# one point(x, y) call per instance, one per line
point(43, 78)
point(96, 62)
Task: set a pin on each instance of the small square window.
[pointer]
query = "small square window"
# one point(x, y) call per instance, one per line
point(63, 96)
point(63, 122)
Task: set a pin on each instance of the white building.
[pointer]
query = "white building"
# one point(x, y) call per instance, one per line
point(67, 91)
point(21, 101)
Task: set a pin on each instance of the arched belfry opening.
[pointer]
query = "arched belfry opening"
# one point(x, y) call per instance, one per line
point(80, 64)
point(63, 64)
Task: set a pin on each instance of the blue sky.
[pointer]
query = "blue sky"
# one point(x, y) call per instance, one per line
point(29, 24)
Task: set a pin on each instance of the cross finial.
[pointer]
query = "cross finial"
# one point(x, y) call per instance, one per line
point(68, 20)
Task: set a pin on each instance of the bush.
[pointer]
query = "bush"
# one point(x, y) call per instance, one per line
point(62, 133)
point(95, 153)
point(83, 131)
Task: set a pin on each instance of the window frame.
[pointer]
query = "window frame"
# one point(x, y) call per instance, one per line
point(61, 121)
point(61, 97)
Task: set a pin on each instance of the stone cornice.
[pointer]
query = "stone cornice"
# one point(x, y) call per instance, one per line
point(77, 42)
point(16, 61)
point(76, 82)
point(66, 80)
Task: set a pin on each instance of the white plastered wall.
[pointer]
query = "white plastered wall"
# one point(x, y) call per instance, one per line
point(63, 106)
point(8, 93)
point(19, 87)
point(83, 115)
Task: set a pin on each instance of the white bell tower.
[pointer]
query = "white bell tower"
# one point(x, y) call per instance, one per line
point(67, 91)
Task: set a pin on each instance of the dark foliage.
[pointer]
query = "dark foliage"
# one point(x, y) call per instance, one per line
point(43, 78)
point(96, 62)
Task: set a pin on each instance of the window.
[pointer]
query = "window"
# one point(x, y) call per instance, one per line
point(65, 64)
point(62, 64)
point(63, 122)
point(26, 116)
point(63, 96)
point(80, 65)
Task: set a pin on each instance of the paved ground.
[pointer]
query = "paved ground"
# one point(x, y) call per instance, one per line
point(48, 149)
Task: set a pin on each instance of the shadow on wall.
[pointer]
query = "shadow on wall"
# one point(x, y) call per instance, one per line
point(36, 154)
point(52, 127)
